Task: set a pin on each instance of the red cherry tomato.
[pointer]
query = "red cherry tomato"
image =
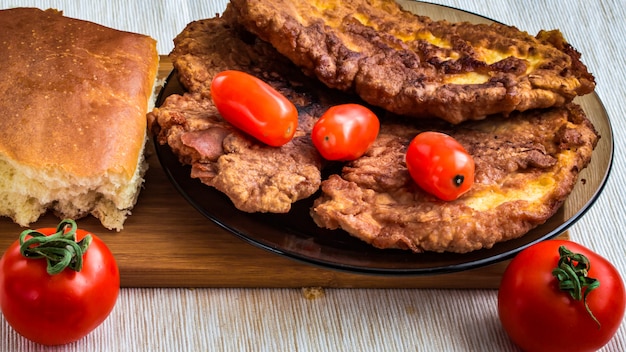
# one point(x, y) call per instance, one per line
point(345, 132)
point(440, 165)
point(540, 314)
point(254, 107)
point(59, 308)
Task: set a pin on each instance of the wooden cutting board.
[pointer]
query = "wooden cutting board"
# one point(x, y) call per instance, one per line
point(167, 243)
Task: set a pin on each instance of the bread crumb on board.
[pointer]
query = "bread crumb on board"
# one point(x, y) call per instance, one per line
point(312, 293)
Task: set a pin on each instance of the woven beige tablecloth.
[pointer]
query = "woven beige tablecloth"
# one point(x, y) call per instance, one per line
point(356, 319)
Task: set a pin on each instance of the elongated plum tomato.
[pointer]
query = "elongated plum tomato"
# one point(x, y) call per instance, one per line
point(345, 132)
point(254, 107)
point(60, 299)
point(560, 296)
point(440, 165)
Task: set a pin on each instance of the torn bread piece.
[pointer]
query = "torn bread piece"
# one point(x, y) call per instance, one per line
point(74, 96)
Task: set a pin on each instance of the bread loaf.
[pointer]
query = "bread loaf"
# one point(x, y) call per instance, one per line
point(74, 97)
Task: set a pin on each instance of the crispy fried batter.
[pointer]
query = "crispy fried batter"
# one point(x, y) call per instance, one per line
point(256, 177)
point(412, 65)
point(526, 166)
point(526, 163)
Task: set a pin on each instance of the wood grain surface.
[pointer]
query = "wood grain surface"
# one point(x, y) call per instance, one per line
point(167, 243)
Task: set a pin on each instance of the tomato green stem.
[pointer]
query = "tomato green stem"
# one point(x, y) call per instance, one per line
point(60, 248)
point(572, 272)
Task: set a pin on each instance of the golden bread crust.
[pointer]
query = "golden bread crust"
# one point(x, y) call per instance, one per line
point(414, 66)
point(74, 94)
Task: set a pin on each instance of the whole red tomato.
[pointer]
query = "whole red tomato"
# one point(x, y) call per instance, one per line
point(345, 132)
point(440, 165)
point(60, 308)
point(254, 107)
point(539, 313)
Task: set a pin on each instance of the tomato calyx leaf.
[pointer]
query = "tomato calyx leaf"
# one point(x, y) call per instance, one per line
point(571, 272)
point(60, 248)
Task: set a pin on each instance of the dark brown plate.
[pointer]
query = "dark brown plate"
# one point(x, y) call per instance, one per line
point(294, 234)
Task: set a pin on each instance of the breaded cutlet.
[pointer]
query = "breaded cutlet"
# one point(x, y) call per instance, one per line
point(256, 177)
point(411, 65)
point(526, 166)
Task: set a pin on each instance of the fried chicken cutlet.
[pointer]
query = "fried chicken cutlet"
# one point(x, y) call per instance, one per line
point(411, 65)
point(256, 177)
point(526, 166)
